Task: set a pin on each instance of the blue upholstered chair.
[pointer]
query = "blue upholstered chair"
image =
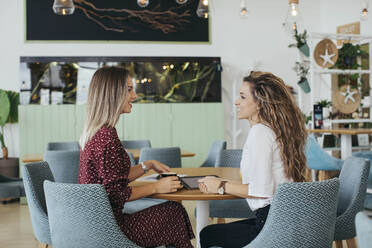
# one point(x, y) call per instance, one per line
point(10, 188)
point(80, 215)
point(131, 158)
point(34, 175)
point(229, 208)
point(318, 159)
point(135, 144)
point(364, 230)
point(64, 165)
point(170, 156)
point(214, 150)
point(353, 185)
point(368, 155)
point(63, 146)
point(301, 215)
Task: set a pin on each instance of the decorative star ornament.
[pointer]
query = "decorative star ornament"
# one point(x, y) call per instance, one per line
point(327, 58)
point(348, 94)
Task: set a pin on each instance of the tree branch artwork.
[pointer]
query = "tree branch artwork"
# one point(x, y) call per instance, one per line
point(114, 19)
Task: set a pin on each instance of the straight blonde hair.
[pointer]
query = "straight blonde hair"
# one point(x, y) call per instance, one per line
point(106, 96)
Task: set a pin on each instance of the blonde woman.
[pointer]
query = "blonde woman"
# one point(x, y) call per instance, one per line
point(272, 154)
point(104, 161)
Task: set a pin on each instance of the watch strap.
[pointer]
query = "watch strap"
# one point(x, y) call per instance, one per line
point(144, 167)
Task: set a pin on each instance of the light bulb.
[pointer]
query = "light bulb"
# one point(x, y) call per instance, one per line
point(294, 8)
point(243, 9)
point(293, 19)
point(202, 10)
point(364, 14)
point(63, 7)
point(143, 3)
point(181, 1)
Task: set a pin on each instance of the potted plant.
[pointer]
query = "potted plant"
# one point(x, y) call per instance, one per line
point(302, 69)
point(9, 102)
point(347, 56)
point(301, 42)
point(326, 107)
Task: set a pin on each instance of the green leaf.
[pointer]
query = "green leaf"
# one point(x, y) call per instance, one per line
point(4, 107)
point(14, 102)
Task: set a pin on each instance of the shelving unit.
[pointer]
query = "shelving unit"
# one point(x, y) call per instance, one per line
point(317, 72)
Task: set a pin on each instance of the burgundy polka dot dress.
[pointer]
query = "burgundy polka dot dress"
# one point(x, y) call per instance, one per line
point(104, 161)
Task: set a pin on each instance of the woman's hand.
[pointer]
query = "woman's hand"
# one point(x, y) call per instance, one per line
point(168, 184)
point(209, 184)
point(157, 166)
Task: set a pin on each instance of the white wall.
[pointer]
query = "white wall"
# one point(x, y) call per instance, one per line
point(257, 42)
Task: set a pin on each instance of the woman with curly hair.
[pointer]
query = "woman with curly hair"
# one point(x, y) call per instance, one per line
point(272, 154)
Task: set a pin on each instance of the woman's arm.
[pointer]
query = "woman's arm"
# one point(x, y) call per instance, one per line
point(164, 185)
point(137, 171)
point(211, 185)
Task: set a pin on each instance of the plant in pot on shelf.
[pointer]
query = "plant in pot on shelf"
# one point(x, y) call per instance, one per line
point(302, 69)
point(347, 56)
point(9, 102)
point(301, 42)
point(326, 107)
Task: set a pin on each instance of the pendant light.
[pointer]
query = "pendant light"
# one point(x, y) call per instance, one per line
point(181, 1)
point(293, 17)
point(243, 8)
point(364, 12)
point(143, 3)
point(203, 9)
point(63, 7)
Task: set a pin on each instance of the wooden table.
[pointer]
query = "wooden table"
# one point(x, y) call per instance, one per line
point(346, 147)
point(202, 200)
point(37, 157)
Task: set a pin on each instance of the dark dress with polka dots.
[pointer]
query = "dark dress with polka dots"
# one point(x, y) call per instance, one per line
point(104, 161)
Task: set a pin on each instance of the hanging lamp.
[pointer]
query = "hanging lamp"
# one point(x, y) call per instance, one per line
point(293, 17)
point(203, 9)
point(63, 7)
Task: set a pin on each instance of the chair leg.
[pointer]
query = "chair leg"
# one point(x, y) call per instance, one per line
point(42, 245)
point(338, 243)
point(220, 220)
point(351, 243)
point(313, 175)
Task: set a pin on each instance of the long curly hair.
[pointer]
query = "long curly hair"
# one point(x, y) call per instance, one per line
point(278, 110)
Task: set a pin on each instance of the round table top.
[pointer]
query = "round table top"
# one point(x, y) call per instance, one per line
point(183, 194)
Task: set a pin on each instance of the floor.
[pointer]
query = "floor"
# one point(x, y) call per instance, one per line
point(16, 229)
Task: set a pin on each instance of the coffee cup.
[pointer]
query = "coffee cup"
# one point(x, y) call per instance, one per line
point(167, 174)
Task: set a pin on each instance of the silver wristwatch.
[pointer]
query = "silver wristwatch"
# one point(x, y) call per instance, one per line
point(221, 189)
point(144, 167)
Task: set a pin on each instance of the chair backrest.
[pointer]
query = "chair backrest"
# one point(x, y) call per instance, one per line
point(214, 150)
point(367, 155)
point(63, 146)
point(64, 165)
point(34, 175)
point(80, 215)
point(135, 144)
point(131, 158)
point(301, 215)
point(353, 185)
point(364, 230)
point(229, 158)
point(318, 159)
point(170, 156)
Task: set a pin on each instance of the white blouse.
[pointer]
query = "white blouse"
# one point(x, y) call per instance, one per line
point(261, 166)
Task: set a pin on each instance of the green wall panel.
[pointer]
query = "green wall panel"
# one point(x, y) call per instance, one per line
point(192, 127)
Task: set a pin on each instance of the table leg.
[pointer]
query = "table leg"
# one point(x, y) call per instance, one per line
point(202, 218)
point(345, 146)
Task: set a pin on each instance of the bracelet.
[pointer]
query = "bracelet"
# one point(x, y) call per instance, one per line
point(144, 167)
